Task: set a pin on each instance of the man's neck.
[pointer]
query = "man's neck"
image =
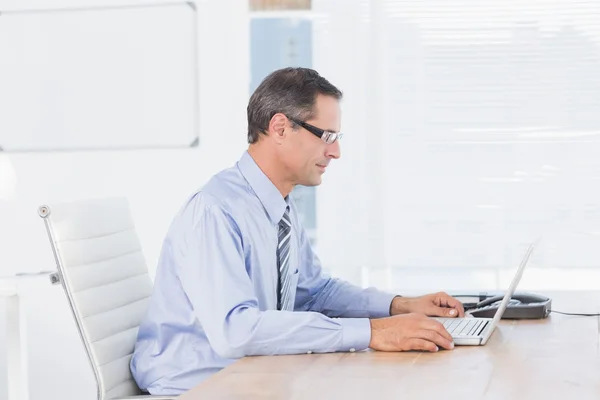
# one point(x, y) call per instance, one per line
point(269, 165)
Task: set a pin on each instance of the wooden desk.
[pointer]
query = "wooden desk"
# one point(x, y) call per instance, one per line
point(554, 358)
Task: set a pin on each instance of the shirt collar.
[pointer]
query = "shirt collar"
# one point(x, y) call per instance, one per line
point(265, 190)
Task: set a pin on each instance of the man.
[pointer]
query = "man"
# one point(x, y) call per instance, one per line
point(237, 276)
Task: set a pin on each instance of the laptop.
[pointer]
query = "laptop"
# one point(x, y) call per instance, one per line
point(477, 331)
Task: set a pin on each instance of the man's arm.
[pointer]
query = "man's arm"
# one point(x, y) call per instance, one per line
point(334, 297)
point(217, 284)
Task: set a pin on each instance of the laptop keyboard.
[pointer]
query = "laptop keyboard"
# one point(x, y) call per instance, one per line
point(464, 326)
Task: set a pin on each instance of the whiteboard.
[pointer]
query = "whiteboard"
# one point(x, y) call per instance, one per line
point(99, 78)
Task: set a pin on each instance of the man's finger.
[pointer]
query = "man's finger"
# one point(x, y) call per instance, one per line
point(421, 344)
point(457, 305)
point(435, 337)
point(445, 300)
point(445, 312)
point(434, 325)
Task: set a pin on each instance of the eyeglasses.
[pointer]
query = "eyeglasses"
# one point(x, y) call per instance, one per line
point(326, 136)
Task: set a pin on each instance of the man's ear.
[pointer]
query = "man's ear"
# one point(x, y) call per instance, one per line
point(277, 126)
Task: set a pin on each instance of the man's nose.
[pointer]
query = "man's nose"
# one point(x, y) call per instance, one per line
point(333, 150)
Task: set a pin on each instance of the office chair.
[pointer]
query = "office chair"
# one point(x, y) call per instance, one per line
point(104, 275)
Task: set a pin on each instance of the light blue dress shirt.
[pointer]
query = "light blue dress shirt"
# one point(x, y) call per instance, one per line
point(215, 292)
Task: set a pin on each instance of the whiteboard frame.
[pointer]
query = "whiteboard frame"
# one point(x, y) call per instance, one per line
point(196, 78)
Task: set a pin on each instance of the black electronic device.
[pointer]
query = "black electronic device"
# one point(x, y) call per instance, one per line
point(521, 306)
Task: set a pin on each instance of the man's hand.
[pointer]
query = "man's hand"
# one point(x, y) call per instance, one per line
point(409, 332)
point(435, 305)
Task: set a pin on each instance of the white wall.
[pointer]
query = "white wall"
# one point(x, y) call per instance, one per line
point(156, 183)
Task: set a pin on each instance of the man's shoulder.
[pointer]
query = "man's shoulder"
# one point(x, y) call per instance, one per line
point(223, 191)
point(225, 187)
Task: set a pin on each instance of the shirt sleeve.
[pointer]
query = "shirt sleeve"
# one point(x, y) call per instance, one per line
point(333, 297)
point(216, 281)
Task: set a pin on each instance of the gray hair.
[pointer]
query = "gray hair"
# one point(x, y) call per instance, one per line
point(290, 91)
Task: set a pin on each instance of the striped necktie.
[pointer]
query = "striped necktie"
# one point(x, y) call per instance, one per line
point(285, 301)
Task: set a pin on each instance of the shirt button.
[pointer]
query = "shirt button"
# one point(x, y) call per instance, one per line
point(309, 352)
point(352, 350)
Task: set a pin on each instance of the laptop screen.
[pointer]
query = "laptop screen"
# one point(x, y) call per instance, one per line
point(513, 285)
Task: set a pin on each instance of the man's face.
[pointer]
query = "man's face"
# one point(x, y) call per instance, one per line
point(307, 156)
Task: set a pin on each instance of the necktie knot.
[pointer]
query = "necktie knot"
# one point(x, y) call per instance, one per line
point(285, 220)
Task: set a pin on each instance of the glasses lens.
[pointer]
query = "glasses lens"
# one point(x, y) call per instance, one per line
point(330, 137)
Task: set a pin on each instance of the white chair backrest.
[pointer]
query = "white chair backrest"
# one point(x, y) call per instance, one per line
point(104, 274)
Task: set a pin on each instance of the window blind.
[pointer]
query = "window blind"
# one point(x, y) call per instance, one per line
point(472, 128)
